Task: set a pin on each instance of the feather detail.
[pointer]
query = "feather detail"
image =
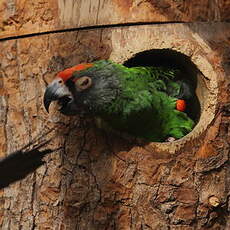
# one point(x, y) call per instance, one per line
point(181, 105)
point(67, 73)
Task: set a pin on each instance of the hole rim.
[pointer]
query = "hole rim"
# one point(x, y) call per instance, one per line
point(206, 77)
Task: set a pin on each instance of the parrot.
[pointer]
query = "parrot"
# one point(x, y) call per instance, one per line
point(147, 102)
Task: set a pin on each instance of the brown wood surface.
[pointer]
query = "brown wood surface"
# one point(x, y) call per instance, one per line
point(21, 17)
point(99, 180)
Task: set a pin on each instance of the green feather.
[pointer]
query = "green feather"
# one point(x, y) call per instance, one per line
point(146, 103)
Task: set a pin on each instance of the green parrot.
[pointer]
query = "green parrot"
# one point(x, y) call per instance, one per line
point(145, 102)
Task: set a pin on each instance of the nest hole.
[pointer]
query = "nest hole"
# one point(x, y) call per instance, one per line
point(173, 59)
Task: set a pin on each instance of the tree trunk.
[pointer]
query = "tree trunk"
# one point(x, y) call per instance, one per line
point(98, 179)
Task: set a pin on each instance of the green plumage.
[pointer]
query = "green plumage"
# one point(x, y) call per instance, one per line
point(146, 104)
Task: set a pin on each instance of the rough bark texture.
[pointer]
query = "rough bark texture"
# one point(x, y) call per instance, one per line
point(102, 181)
point(20, 17)
point(99, 180)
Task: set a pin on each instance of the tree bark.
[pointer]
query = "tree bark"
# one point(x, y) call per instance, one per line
point(22, 17)
point(98, 179)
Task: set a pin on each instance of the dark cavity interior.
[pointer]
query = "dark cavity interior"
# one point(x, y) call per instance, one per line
point(172, 59)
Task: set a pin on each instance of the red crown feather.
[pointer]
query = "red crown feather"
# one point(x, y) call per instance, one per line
point(67, 73)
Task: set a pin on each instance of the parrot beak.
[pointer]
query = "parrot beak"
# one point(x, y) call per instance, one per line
point(56, 91)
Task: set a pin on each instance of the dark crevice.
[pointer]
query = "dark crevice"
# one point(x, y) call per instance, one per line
point(88, 28)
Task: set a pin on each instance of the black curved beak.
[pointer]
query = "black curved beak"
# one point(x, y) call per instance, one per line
point(54, 92)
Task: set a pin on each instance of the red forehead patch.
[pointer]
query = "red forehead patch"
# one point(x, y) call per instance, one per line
point(67, 73)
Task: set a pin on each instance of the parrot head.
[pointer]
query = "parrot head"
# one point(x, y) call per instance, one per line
point(83, 88)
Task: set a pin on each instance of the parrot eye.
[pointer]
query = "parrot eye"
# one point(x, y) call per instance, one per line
point(84, 82)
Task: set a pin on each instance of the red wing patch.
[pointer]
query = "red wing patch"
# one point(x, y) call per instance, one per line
point(67, 73)
point(181, 105)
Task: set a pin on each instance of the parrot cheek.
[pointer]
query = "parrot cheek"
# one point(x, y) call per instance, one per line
point(69, 108)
